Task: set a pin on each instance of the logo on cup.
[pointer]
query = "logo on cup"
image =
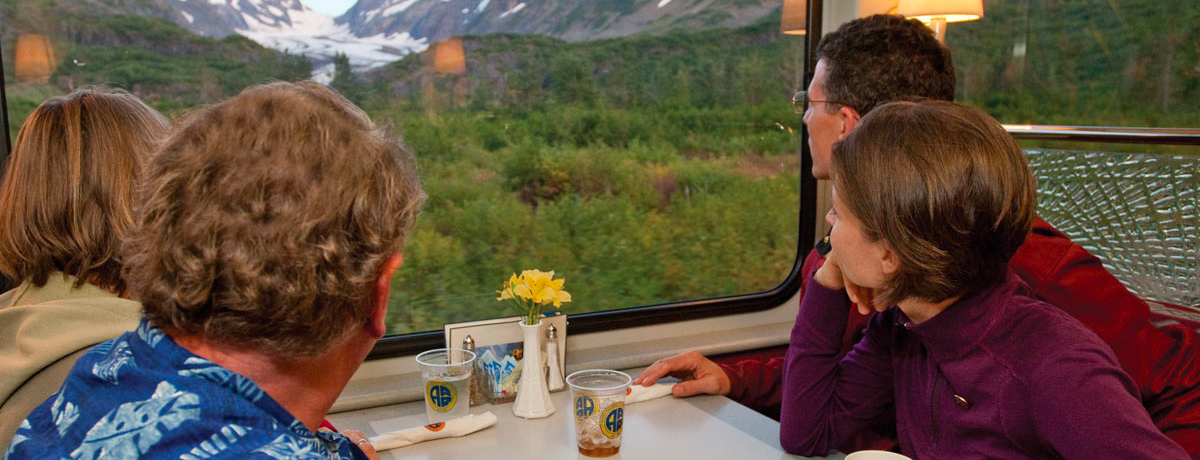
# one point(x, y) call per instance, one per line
point(612, 420)
point(441, 395)
point(584, 406)
point(435, 427)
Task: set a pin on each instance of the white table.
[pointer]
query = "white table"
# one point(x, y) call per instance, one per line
point(696, 428)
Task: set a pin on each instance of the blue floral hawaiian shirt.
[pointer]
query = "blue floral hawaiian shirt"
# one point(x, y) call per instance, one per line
point(142, 396)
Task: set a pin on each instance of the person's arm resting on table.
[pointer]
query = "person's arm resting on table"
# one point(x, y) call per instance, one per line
point(827, 398)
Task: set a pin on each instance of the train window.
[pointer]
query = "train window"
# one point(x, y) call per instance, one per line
point(1103, 68)
point(1094, 63)
point(646, 151)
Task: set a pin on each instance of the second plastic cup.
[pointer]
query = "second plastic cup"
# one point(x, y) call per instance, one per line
point(599, 407)
point(447, 376)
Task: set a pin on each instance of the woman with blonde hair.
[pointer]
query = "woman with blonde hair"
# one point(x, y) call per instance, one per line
point(65, 203)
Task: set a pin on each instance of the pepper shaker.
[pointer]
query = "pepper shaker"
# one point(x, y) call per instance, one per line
point(555, 378)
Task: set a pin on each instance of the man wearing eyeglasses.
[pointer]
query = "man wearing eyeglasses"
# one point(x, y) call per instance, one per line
point(871, 61)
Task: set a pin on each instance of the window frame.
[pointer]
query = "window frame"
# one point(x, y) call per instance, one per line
point(582, 323)
point(412, 343)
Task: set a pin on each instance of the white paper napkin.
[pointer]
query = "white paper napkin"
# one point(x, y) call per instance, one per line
point(638, 393)
point(457, 427)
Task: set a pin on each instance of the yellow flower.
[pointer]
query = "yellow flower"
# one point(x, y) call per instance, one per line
point(560, 297)
point(536, 279)
point(543, 295)
point(523, 291)
point(532, 289)
point(505, 294)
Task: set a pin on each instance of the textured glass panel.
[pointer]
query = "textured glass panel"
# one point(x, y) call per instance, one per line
point(1136, 212)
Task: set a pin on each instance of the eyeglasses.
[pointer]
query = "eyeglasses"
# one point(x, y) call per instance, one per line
point(801, 103)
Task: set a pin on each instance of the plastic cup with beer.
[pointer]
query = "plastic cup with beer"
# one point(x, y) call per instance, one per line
point(599, 406)
point(446, 373)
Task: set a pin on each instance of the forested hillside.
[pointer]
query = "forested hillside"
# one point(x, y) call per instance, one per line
point(1083, 62)
point(573, 20)
point(169, 67)
point(648, 168)
point(703, 69)
point(1079, 62)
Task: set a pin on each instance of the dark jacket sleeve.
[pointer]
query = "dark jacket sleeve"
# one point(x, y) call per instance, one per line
point(828, 396)
point(1165, 365)
point(1086, 407)
point(756, 383)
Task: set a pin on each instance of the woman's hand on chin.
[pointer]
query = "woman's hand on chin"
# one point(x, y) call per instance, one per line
point(831, 276)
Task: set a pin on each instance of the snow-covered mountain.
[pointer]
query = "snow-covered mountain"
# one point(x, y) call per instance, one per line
point(573, 20)
point(288, 25)
point(375, 32)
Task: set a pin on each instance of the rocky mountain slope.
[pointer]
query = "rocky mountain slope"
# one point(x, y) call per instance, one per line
point(375, 32)
point(572, 20)
point(288, 25)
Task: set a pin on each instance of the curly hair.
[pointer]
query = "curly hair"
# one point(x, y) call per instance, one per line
point(265, 220)
point(883, 58)
point(946, 187)
point(67, 197)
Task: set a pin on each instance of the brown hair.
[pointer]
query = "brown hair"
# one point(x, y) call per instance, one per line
point(267, 218)
point(946, 187)
point(882, 58)
point(66, 199)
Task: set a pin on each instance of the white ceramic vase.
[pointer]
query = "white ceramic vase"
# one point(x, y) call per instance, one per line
point(533, 397)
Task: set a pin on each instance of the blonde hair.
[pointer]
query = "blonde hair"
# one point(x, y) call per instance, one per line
point(946, 187)
point(267, 218)
point(66, 198)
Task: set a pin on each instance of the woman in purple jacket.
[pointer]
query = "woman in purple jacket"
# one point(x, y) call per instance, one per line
point(931, 200)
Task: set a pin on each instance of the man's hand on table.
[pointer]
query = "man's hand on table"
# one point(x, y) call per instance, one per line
point(362, 442)
point(699, 374)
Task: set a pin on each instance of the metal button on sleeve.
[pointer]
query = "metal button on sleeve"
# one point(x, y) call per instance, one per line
point(962, 402)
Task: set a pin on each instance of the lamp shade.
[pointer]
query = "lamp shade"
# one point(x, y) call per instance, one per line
point(950, 10)
point(448, 58)
point(795, 17)
point(34, 58)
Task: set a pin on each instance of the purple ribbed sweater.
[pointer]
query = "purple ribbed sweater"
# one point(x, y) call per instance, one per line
point(997, 375)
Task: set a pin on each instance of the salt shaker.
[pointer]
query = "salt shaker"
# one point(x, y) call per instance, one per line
point(555, 378)
point(477, 396)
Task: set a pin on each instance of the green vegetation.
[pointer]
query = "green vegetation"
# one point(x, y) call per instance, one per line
point(169, 67)
point(1075, 62)
point(645, 169)
point(642, 198)
point(703, 69)
point(629, 220)
point(1082, 62)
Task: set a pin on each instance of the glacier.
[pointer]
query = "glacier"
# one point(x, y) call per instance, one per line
point(316, 36)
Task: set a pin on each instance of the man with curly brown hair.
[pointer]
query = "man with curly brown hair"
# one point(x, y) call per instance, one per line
point(268, 231)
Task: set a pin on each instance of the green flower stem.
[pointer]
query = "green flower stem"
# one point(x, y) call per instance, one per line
point(529, 311)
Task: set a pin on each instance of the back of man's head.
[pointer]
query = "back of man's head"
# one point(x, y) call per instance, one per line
point(266, 219)
point(882, 58)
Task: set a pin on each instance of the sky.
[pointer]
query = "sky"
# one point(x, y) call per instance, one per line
point(330, 7)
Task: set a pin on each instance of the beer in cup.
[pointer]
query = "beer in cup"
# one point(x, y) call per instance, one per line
point(598, 402)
